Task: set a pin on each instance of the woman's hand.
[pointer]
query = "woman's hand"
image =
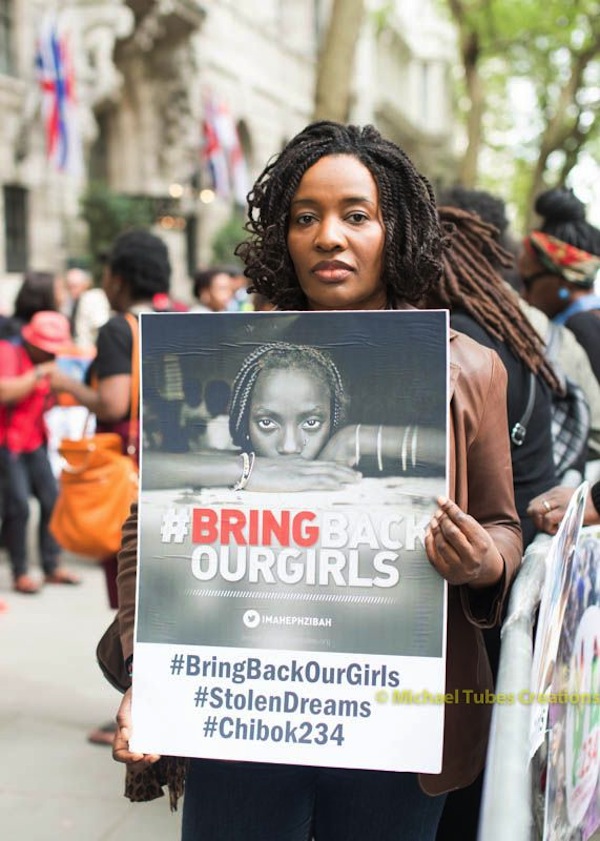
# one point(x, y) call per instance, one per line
point(59, 381)
point(291, 473)
point(460, 548)
point(548, 509)
point(120, 751)
point(46, 369)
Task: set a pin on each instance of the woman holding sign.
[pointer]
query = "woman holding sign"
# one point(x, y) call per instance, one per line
point(341, 220)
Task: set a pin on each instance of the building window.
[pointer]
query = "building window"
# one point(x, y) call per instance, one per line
point(6, 58)
point(15, 228)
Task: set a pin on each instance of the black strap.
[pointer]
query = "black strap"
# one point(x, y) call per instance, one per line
point(519, 430)
point(595, 494)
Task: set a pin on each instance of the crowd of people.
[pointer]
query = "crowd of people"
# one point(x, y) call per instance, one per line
point(340, 220)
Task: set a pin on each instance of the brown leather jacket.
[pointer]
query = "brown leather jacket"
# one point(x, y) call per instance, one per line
point(481, 484)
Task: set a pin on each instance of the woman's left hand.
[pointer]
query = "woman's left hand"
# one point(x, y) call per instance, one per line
point(460, 548)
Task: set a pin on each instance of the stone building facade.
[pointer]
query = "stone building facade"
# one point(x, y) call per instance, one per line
point(144, 69)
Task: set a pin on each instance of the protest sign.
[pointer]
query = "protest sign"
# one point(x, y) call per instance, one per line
point(572, 801)
point(286, 609)
point(555, 594)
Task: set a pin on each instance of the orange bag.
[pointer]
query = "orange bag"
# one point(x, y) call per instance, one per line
point(97, 486)
point(98, 483)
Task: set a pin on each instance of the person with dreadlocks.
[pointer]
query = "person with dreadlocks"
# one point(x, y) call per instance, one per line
point(342, 220)
point(567, 356)
point(483, 307)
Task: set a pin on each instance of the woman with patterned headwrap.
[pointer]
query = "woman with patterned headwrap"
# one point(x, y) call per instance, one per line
point(559, 264)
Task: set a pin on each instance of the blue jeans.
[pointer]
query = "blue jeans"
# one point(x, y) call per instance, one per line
point(24, 474)
point(247, 801)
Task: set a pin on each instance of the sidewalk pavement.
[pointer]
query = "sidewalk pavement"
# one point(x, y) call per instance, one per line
point(53, 783)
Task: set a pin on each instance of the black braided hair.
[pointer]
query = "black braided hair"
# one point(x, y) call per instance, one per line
point(141, 260)
point(471, 281)
point(563, 217)
point(277, 356)
point(414, 239)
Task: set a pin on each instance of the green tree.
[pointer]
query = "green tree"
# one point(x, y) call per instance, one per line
point(552, 44)
point(107, 214)
point(227, 238)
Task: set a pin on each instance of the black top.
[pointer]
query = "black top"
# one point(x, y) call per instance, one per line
point(586, 327)
point(595, 494)
point(533, 463)
point(114, 345)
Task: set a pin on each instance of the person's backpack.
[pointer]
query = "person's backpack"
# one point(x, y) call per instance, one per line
point(570, 416)
point(570, 425)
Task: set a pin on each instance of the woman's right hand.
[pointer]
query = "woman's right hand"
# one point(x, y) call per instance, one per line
point(46, 369)
point(120, 751)
point(342, 446)
point(291, 474)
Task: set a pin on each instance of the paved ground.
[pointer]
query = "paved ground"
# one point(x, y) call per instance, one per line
point(54, 785)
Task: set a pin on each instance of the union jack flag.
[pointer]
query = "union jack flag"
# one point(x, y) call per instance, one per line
point(222, 152)
point(59, 106)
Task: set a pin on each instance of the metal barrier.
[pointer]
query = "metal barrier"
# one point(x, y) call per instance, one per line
point(506, 807)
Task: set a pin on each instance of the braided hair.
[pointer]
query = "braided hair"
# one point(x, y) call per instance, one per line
point(563, 217)
point(277, 356)
point(471, 282)
point(141, 260)
point(414, 240)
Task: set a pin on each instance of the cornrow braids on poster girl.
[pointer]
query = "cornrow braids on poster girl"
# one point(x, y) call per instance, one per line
point(414, 239)
point(282, 356)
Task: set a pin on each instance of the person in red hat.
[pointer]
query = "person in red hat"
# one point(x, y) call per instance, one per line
point(25, 366)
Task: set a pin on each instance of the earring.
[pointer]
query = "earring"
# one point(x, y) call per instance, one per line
point(563, 294)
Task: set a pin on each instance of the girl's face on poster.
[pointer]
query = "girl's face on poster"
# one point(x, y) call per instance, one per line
point(336, 236)
point(290, 414)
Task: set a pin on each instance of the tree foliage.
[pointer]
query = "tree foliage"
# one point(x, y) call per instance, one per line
point(552, 47)
point(227, 238)
point(108, 214)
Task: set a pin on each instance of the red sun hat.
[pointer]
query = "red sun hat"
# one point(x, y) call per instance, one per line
point(48, 331)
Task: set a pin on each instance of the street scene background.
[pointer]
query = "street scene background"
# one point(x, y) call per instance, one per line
point(53, 783)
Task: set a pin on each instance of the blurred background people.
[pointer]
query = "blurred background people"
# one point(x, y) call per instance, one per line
point(559, 264)
point(240, 301)
point(213, 289)
point(562, 349)
point(26, 366)
point(216, 399)
point(38, 291)
point(86, 307)
point(136, 270)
